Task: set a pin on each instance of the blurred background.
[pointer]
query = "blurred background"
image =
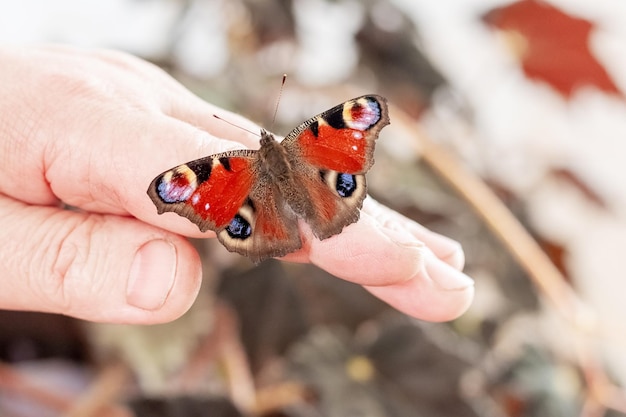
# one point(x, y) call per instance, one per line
point(523, 101)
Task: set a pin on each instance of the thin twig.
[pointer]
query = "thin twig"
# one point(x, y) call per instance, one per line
point(526, 251)
point(15, 383)
point(502, 223)
point(100, 397)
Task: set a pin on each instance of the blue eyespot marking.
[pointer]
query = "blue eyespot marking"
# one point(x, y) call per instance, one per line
point(346, 184)
point(239, 228)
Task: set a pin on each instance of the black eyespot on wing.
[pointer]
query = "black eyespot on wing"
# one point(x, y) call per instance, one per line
point(201, 169)
point(346, 184)
point(239, 228)
point(315, 127)
point(335, 119)
point(225, 161)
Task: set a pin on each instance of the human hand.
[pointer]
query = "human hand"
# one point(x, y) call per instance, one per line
point(91, 129)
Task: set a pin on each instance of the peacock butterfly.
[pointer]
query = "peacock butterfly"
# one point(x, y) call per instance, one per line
point(252, 199)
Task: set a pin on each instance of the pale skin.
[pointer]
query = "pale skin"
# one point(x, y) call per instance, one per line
point(92, 128)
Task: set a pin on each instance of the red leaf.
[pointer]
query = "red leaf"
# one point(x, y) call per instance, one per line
point(552, 46)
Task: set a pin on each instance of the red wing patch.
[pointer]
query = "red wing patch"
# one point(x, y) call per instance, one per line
point(218, 198)
point(342, 150)
point(209, 191)
point(342, 138)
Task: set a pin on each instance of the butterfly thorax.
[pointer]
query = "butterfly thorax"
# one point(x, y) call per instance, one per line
point(276, 163)
point(273, 158)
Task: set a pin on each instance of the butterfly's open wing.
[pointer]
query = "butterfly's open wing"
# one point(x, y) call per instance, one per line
point(207, 191)
point(224, 193)
point(331, 154)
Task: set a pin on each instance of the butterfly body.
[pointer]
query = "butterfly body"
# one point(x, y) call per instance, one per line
point(253, 199)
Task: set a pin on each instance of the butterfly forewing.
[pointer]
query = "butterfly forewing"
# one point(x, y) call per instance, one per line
point(207, 191)
point(342, 138)
point(331, 153)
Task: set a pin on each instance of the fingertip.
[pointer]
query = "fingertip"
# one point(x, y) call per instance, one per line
point(163, 281)
point(448, 250)
point(445, 276)
point(445, 248)
point(437, 293)
point(456, 258)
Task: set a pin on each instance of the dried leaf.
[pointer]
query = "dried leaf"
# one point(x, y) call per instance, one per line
point(552, 46)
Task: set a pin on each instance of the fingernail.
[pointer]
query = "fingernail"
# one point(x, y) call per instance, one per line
point(456, 257)
point(447, 277)
point(152, 275)
point(447, 249)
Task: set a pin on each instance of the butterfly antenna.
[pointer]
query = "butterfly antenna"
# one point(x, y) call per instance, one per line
point(280, 94)
point(237, 126)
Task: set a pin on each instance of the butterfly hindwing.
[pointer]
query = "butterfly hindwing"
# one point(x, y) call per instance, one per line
point(331, 154)
point(263, 227)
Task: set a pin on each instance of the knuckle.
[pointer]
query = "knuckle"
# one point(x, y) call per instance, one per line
point(67, 263)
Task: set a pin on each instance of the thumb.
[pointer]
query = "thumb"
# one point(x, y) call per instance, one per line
point(93, 266)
